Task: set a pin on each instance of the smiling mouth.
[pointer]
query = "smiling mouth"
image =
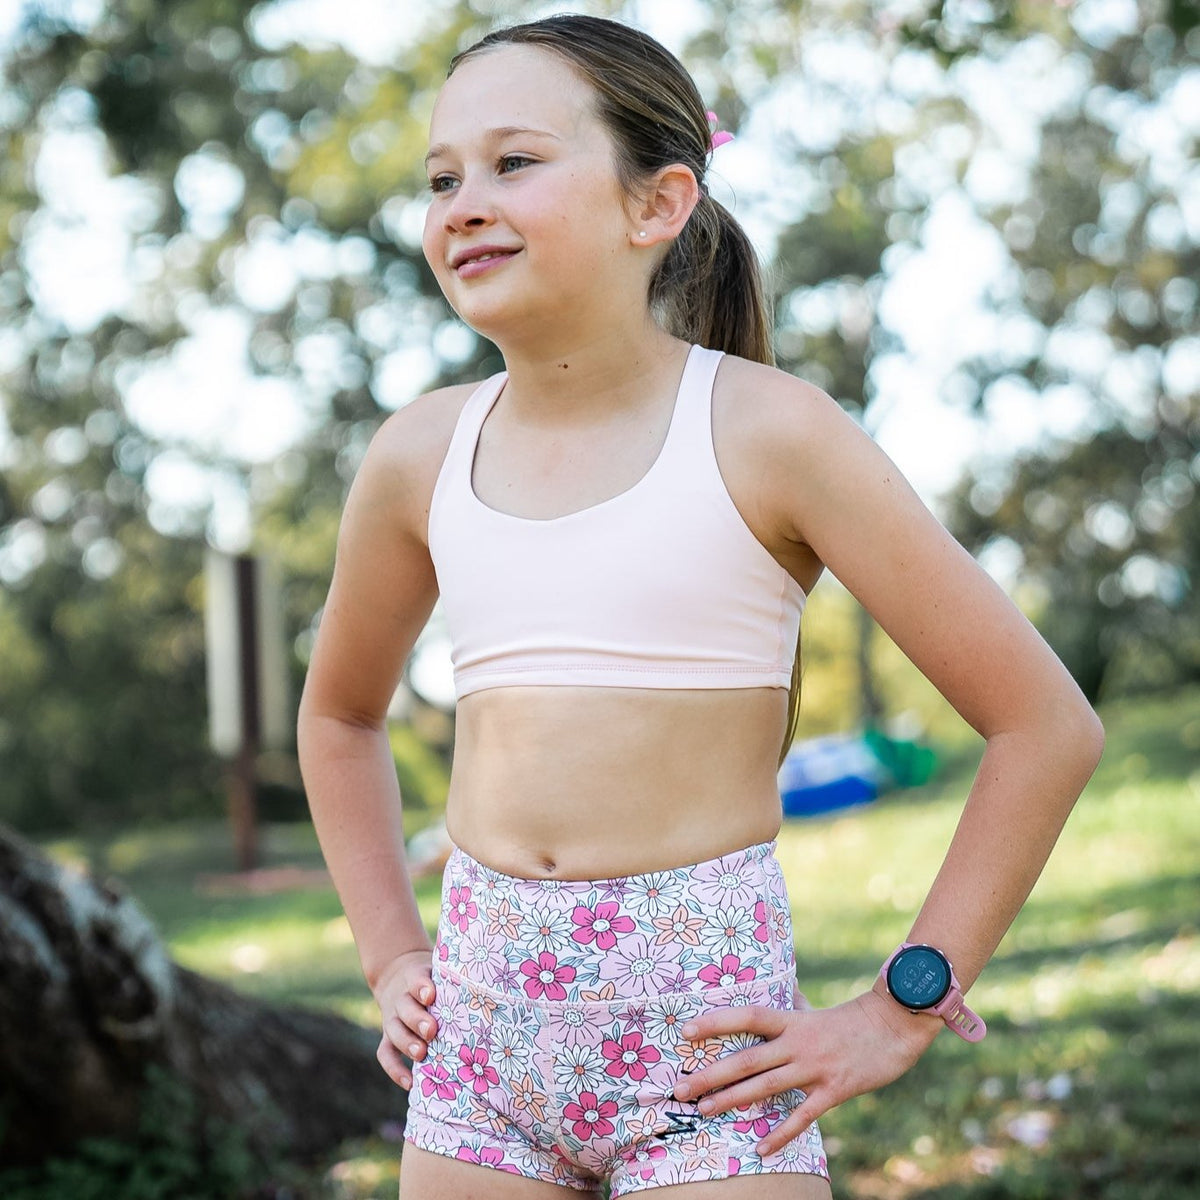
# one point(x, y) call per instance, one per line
point(479, 260)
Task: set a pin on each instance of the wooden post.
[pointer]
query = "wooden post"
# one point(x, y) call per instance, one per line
point(243, 778)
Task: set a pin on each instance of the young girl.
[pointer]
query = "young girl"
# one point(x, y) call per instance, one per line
point(623, 526)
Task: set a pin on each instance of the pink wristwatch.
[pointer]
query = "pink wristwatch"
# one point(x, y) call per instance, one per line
point(921, 978)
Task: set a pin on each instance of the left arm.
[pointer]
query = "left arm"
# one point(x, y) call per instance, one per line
point(828, 486)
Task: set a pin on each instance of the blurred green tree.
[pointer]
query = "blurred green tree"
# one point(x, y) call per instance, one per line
point(279, 185)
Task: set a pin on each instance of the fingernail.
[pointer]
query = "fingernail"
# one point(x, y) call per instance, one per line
point(414, 1048)
point(707, 1106)
point(689, 1030)
point(426, 1028)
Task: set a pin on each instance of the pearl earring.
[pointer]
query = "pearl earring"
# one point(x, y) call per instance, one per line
point(641, 233)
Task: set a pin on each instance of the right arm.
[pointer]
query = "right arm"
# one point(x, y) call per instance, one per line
point(382, 593)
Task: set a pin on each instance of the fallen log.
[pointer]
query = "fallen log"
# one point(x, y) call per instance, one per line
point(90, 1001)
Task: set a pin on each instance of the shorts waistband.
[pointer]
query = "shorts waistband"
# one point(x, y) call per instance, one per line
point(717, 924)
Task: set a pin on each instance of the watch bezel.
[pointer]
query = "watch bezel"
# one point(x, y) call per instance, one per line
point(896, 960)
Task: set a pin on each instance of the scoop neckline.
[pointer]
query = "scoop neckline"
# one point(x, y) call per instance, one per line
point(578, 512)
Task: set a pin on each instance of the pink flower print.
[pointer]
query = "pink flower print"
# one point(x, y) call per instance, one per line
point(760, 1125)
point(443, 951)
point(546, 977)
point(436, 1080)
point(637, 967)
point(462, 908)
point(503, 921)
point(475, 1069)
point(735, 1166)
point(642, 1162)
point(489, 1156)
point(601, 925)
point(629, 1057)
point(762, 931)
point(680, 926)
point(725, 881)
point(589, 1116)
point(727, 974)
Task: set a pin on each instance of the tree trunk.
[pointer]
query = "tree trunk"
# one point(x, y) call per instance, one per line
point(89, 999)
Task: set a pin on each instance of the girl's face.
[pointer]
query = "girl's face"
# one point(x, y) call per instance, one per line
point(520, 165)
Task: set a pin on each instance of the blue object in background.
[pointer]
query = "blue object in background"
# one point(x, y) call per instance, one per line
point(825, 774)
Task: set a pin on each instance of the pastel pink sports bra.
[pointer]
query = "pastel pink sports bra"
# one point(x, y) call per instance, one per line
point(662, 586)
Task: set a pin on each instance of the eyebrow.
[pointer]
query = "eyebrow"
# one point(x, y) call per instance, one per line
point(494, 135)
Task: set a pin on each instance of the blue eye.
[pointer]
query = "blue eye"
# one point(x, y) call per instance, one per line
point(504, 165)
point(520, 159)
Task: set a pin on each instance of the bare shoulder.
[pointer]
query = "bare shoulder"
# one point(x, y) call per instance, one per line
point(403, 460)
point(766, 402)
point(776, 437)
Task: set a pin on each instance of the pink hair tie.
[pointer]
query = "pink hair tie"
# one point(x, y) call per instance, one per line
point(719, 136)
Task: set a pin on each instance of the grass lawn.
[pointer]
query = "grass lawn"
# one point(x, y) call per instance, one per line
point(1088, 1084)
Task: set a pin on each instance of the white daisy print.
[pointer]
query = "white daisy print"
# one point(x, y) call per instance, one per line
point(546, 930)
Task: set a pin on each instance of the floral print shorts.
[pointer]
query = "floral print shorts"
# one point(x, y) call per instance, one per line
point(558, 1008)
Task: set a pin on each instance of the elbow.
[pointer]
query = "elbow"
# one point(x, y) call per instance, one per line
point(1080, 733)
point(1093, 738)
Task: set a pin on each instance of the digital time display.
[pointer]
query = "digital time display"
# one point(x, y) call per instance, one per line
point(919, 977)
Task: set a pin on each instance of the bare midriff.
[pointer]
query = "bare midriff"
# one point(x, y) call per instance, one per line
point(565, 782)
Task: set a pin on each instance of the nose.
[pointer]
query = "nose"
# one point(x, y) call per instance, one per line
point(470, 206)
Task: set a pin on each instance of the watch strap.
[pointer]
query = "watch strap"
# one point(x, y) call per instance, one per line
point(952, 1008)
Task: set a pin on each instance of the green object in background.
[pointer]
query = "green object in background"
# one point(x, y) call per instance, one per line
point(908, 763)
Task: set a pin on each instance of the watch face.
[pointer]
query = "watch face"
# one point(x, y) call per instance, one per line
point(919, 977)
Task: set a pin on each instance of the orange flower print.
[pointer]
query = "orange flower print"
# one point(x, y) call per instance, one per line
point(503, 921)
point(680, 926)
point(481, 1002)
point(698, 1055)
point(527, 1098)
point(607, 992)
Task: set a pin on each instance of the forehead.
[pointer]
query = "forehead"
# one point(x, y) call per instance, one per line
point(513, 86)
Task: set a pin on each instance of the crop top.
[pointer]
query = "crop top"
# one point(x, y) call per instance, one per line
point(661, 586)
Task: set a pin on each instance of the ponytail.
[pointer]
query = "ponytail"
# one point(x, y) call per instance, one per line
point(709, 290)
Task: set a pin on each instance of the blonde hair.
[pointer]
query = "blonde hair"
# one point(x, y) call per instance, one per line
point(708, 288)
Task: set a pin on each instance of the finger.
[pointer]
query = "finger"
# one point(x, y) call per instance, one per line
point(729, 1070)
point(416, 1016)
point(392, 1061)
point(402, 1038)
point(757, 1088)
point(797, 1122)
point(754, 1018)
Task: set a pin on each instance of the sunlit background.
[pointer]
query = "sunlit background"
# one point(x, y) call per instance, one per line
point(980, 222)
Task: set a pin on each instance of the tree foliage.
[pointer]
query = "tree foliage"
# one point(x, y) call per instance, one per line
point(276, 187)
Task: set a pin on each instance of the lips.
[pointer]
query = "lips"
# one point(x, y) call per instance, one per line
point(481, 254)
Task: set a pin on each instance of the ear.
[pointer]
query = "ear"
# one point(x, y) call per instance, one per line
point(663, 208)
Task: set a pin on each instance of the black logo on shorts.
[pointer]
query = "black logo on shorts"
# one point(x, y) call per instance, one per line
point(681, 1122)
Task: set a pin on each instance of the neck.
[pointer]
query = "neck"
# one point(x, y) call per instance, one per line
point(575, 378)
